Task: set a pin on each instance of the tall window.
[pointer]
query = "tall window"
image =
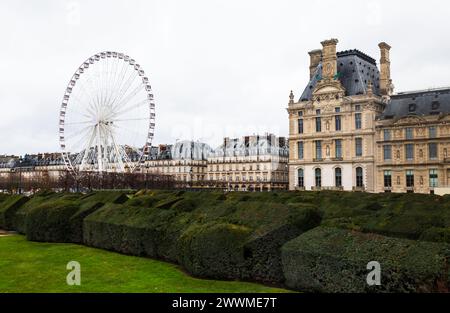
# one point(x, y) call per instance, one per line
point(432, 132)
point(409, 133)
point(358, 146)
point(432, 150)
point(387, 134)
point(387, 152)
point(318, 149)
point(301, 178)
point(358, 120)
point(409, 151)
point(318, 177)
point(300, 126)
point(318, 124)
point(433, 178)
point(359, 177)
point(409, 178)
point(338, 177)
point(337, 122)
point(337, 119)
point(387, 179)
point(300, 150)
point(338, 148)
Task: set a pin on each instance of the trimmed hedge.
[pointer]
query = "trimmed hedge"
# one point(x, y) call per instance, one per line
point(19, 218)
point(187, 227)
point(49, 221)
point(253, 236)
point(437, 234)
point(61, 218)
point(334, 260)
point(398, 215)
point(8, 209)
point(263, 249)
point(214, 250)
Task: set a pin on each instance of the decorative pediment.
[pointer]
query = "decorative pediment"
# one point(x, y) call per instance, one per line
point(410, 119)
point(328, 90)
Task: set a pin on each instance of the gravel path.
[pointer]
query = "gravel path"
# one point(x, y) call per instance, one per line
point(6, 233)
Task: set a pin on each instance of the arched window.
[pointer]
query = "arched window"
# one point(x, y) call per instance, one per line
point(359, 177)
point(301, 179)
point(318, 176)
point(338, 177)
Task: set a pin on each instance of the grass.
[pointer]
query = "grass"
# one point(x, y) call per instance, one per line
point(28, 267)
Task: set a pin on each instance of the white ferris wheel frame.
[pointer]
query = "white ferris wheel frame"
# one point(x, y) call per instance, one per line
point(124, 164)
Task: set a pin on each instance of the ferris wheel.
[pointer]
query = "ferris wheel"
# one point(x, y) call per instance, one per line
point(107, 116)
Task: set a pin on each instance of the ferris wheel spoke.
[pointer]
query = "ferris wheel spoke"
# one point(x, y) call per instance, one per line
point(120, 79)
point(118, 156)
point(130, 131)
point(132, 107)
point(72, 133)
point(79, 123)
point(78, 145)
point(88, 92)
point(124, 88)
point(131, 119)
point(87, 149)
point(114, 79)
point(130, 96)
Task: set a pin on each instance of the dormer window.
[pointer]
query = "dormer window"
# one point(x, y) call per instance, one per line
point(412, 107)
point(435, 105)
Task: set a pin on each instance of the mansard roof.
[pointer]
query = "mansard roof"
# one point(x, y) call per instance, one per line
point(356, 69)
point(418, 103)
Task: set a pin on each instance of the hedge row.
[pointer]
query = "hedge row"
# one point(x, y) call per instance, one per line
point(60, 218)
point(267, 237)
point(8, 208)
point(226, 238)
point(335, 260)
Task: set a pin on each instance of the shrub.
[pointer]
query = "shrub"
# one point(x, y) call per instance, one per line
point(437, 234)
point(135, 230)
point(214, 250)
point(50, 221)
point(334, 260)
point(8, 208)
point(184, 205)
point(263, 249)
point(19, 218)
point(117, 197)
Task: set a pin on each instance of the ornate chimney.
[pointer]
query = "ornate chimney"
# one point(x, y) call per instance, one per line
point(385, 70)
point(329, 58)
point(315, 58)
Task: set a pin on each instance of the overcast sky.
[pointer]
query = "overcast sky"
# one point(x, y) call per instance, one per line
point(217, 68)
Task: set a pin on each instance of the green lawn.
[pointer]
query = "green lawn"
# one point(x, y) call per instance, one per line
point(41, 267)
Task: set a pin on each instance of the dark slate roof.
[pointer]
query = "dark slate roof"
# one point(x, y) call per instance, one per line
point(426, 102)
point(356, 70)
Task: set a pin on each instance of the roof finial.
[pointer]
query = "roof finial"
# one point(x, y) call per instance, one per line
point(291, 97)
point(370, 88)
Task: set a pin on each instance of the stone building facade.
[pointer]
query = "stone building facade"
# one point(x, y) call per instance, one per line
point(332, 125)
point(349, 131)
point(186, 161)
point(250, 163)
point(413, 142)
